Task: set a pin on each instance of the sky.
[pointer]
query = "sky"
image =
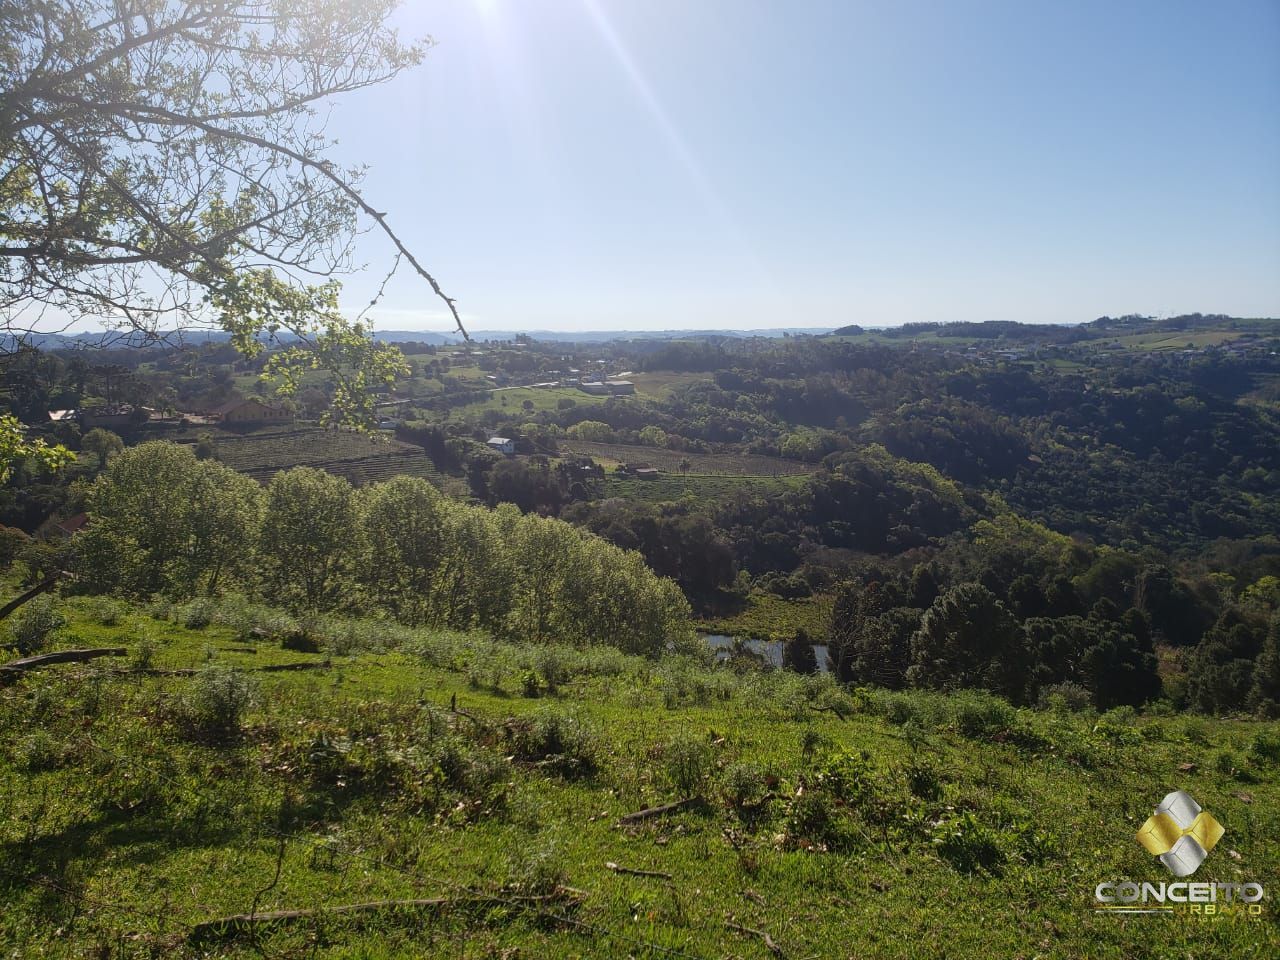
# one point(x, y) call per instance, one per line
point(662, 164)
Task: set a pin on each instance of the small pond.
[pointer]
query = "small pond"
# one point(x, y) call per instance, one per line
point(769, 650)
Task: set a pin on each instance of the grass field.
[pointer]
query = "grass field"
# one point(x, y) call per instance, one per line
point(511, 400)
point(717, 464)
point(136, 805)
point(660, 384)
point(767, 617)
point(1177, 340)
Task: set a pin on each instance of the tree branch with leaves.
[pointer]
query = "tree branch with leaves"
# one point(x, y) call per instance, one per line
point(164, 167)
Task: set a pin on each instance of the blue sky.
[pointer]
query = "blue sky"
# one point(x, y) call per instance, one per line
point(594, 164)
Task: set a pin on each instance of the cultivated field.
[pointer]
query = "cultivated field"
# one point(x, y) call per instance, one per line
point(358, 457)
point(722, 464)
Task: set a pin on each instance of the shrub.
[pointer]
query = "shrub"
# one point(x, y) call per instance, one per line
point(34, 625)
point(811, 741)
point(1196, 731)
point(215, 705)
point(556, 739)
point(1065, 698)
point(535, 869)
point(161, 609)
point(1030, 844)
point(144, 654)
point(744, 784)
point(38, 751)
point(980, 715)
point(686, 681)
point(197, 615)
point(687, 762)
point(968, 844)
point(923, 779)
point(814, 821)
point(345, 642)
point(848, 777)
point(300, 640)
point(1226, 763)
point(530, 684)
point(551, 665)
point(105, 611)
point(1264, 749)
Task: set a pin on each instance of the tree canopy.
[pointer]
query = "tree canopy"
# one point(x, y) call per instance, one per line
point(163, 165)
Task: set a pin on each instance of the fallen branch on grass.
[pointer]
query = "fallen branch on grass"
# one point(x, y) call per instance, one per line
point(14, 668)
point(269, 668)
point(43, 587)
point(632, 872)
point(761, 934)
point(225, 928)
point(661, 811)
point(828, 709)
point(459, 712)
point(758, 805)
point(305, 665)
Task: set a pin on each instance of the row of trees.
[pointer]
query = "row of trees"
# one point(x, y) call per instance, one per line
point(164, 522)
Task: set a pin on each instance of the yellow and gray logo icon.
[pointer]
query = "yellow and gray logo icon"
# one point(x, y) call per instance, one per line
point(1180, 833)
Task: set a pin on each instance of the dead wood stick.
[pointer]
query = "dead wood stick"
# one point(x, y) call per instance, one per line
point(759, 804)
point(13, 668)
point(632, 872)
point(227, 927)
point(826, 709)
point(761, 934)
point(192, 671)
point(43, 586)
point(661, 811)
point(305, 665)
point(459, 712)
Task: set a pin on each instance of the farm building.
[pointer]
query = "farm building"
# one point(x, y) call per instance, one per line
point(121, 416)
point(502, 444)
point(252, 410)
point(640, 470)
point(608, 388)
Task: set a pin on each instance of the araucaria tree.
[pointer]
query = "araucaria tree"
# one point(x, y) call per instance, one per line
point(163, 165)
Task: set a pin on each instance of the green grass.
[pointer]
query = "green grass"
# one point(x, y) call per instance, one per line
point(120, 829)
point(1175, 340)
point(767, 617)
point(661, 384)
point(511, 400)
